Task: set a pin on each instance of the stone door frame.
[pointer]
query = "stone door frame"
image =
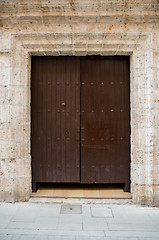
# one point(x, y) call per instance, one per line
point(137, 46)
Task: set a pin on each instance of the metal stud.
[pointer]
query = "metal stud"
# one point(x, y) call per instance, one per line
point(82, 110)
point(112, 82)
point(92, 110)
point(82, 83)
point(112, 110)
point(102, 83)
point(92, 83)
point(102, 110)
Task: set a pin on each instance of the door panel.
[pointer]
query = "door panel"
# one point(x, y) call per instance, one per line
point(88, 94)
point(105, 120)
point(55, 119)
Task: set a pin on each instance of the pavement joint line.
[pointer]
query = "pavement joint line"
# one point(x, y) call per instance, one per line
point(52, 232)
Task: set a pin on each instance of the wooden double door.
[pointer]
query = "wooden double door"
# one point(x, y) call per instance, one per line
point(80, 111)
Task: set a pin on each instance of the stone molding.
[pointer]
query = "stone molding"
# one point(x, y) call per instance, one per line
point(24, 45)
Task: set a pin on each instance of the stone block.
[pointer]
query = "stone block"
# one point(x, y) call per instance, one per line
point(142, 136)
point(156, 153)
point(7, 171)
point(19, 114)
point(142, 78)
point(156, 77)
point(6, 196)
point(22, 189)
point(18, 74)
point(4, 75)
point(141, 98)
point(156, 134)
point(23, 168)
point(17, 132)
point(5, 182)
point(156, 195)
point(5, 60)
point(143, 58)
point(141, 175)
point(142, 117)
point(156, 98)
point(155, 173)
point(142, 194)
point(155, 114)
point(4, 41)
point(141, 154)
point(4, 95)
point(18, 95)
point(4, 113)
point(12, 149)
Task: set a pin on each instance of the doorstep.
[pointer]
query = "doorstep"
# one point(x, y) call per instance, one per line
point(85, 194)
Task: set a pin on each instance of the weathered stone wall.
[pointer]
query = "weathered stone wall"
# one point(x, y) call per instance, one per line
point(78, 27)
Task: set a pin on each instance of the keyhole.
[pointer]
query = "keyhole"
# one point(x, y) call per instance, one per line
point(68, 133)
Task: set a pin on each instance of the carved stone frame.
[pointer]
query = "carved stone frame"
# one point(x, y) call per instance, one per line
point(137, 46)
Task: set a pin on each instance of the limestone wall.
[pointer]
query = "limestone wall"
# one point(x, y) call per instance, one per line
point(78, 27)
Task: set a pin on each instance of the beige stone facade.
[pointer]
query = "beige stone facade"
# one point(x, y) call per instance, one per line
point(78, 27)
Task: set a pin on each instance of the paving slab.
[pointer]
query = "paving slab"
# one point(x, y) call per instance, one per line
point(4, 221)
point(70, 222)
point(94, 224)
point(71, 209)
point(101, 212)
point(49, 210)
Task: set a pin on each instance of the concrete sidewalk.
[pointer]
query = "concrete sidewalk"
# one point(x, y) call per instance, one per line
point(30, 221)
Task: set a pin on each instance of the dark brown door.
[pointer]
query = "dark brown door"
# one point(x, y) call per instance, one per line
point(105, 121)
point(55, 119)
point(80, 120)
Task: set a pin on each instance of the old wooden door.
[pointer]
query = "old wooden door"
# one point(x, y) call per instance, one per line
point(80, 103)
point(105, 120)
point(55, 124)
